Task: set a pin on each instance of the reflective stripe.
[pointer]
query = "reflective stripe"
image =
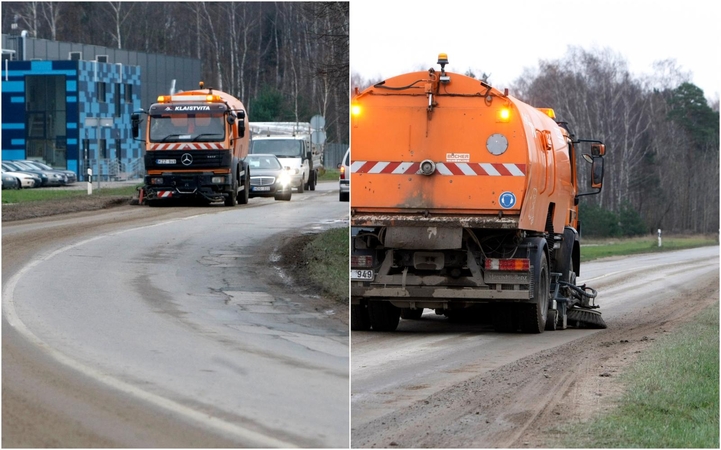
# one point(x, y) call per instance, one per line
point(188, 146)
point(447, 168)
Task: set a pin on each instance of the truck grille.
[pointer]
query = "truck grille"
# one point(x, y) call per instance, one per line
point(199, 159)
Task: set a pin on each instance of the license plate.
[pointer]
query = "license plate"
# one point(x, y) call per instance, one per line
point(165, 161)
point(358, 274)
point(261, 188)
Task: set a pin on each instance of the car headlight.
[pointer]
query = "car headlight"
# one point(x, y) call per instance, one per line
point(284, 179)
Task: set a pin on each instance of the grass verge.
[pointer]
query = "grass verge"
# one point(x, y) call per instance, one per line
point(40, 194)
point(672, 395)
point(327, 257)
point(594, 249)
point(329, 175)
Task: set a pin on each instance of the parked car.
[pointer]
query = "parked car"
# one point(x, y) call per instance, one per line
point(54, 177)
point(344, 182)
point(69, 174)
point(10, 182)
point(268, 177)
point(26, 180)
point(14, 167)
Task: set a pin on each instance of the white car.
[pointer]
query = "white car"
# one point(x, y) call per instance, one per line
point(344, 182)
point(26, 180)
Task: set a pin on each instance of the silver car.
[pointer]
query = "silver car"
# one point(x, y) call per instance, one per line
point(71, 177)
point(344, 182)
point(268, 177)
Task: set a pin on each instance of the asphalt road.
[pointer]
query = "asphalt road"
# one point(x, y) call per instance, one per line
point(177, 330)
point(434, 383)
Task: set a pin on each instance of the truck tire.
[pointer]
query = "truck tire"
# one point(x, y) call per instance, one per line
point(534, 315)
point(244, 195)
point(359, 318)
point(231, 199)
point(411, 314)
point(383, 316)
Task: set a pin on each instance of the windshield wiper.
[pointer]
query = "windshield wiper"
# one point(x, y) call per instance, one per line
point(203, 135)
point(170, 136)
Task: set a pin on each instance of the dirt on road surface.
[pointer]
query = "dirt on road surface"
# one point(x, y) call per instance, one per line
point(525, 403)
point(36, 395)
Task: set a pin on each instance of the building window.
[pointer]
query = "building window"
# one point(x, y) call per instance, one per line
point(128, 93)
point(117, 99)
point(103, 150)
point(101, 92)
point(46, 124)
point(118, 151)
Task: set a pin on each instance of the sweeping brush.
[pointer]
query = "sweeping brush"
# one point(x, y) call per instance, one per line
point(585, 318)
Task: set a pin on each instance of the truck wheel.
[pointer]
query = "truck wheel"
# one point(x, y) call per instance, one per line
point(411, 314)
point(232, 198)
point(359, 318)
point(244, 195)
point(534, 315)
point(383, 315)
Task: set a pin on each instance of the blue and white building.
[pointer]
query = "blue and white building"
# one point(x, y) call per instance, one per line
point(74, 113)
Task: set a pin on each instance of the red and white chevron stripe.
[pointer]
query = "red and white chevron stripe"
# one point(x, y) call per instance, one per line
point(447, 168)
point(165, 194)
point(188, 146)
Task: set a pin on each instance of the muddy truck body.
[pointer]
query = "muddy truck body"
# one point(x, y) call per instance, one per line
point(195, 148)
point(465, 199)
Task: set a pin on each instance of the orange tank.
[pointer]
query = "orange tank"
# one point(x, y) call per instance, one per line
point(444, 169)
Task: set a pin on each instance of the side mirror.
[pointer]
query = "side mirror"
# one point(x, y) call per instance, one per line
point(597, 172)
point(241, 124)
point(338, 166)
point(598, 150)
point(135, 125)
point(230, 118)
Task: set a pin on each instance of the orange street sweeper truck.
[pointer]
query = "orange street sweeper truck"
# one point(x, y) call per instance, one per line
point(465, 198)
point(195, 148)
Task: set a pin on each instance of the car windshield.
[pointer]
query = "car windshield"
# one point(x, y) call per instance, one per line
point(40, 165)
point(264, 162)
point(187, 128)
point(25, 166)
point(278, 147)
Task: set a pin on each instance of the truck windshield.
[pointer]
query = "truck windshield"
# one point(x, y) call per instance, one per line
point(278, 147)
point(187, 128)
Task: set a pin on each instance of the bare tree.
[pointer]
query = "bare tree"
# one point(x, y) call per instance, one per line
point(119, 17)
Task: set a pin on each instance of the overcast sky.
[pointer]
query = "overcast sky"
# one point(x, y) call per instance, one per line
point(502, 37)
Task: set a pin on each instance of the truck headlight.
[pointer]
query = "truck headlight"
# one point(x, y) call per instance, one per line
point(156, 181)
point(218, 180)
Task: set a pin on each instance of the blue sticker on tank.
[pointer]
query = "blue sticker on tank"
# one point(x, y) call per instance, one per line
point(507, 200)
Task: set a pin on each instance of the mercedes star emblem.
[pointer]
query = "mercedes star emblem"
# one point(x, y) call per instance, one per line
point(186, 159)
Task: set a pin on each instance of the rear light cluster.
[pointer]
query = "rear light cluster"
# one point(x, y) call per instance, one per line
point(342, 172)
point(518, 264)
point(361, 261)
